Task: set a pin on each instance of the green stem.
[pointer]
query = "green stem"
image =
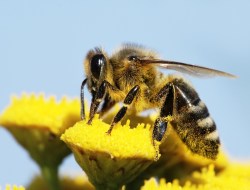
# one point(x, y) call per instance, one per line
point(50, 175)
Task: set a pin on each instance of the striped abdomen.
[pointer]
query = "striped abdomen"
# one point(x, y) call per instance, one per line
point(192, 121)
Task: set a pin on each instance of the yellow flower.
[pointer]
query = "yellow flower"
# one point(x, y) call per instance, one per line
point(13, 187)
point(111, 161)
point(235, 176)
point(37, 112)
point(176, 161)
point(37, 123)
point(124, 159)
point(67, 183)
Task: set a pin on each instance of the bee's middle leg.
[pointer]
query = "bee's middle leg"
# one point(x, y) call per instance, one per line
point(127, 101)
point(160, 125)
point(107, 105)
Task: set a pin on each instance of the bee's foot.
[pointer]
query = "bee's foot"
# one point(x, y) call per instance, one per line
point(89, 121)
point(157, 153)
point(110, 129)
point(108, 132)
point(156, 158)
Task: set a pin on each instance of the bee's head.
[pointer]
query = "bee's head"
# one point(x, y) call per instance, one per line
point(95, 65)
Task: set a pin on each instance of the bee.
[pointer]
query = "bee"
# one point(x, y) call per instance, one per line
point(131, 76)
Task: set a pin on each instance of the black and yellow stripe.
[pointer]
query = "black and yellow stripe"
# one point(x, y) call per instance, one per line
point(192, 121)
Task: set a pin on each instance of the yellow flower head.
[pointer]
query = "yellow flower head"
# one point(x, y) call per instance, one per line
point(111, 160)
point(37, 123)
point(36, 111)
point(234, 177)
point(176, 161)
point(13, 187)
point(67, 183)
point(126, 157)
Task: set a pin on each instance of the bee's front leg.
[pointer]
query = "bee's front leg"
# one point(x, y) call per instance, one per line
point(127, 101)
point(160, 125)
point(82, 99)
point(99, 96)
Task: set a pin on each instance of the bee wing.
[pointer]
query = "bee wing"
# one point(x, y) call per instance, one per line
point(193, 70)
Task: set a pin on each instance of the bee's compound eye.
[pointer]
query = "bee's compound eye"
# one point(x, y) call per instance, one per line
point(96, 64)
point(133, 58)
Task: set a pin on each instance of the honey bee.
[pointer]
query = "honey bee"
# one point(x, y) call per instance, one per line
point(131, 76)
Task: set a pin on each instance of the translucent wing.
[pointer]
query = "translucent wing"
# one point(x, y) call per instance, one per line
point(193, 70)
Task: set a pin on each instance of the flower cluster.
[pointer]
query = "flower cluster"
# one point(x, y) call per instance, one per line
point(14, 187)
point(125, 159)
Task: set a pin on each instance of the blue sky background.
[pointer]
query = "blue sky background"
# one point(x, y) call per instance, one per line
point(43, 44)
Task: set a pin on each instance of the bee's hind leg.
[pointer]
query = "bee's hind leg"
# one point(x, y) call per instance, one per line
point(127, 101)
point(160, 125)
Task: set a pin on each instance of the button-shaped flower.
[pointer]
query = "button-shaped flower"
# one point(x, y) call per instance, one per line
point(37, 123)
point(111, 160)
